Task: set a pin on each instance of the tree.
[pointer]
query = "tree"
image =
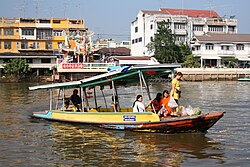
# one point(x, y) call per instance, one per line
point(191, 61)
point(230, 62)
point(17, 68)
point(164, 47)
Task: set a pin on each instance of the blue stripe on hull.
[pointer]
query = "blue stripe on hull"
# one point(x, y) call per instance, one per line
point(44, 115)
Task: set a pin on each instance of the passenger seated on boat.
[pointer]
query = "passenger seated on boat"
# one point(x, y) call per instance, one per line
point(164, 103)
point(157, 102)
point(138, 106)
point(75, 99)
point(114, 104)
point(68, 107)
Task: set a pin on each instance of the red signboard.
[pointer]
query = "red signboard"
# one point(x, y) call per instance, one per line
point(72, 66)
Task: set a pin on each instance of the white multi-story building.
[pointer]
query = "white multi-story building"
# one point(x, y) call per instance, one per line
point(184, 23)
point(213, 48)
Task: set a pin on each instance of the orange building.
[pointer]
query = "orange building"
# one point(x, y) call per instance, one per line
point(36, 39)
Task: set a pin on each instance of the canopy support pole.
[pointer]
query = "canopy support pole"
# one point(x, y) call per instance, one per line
point(50, 99)
point(104, 98)
point(148, 92)
point(140, 77)
point(63, 95)
point(117, 99)
point(114, 94)
point(86, 99)
point(95, 99)
point(81, 95)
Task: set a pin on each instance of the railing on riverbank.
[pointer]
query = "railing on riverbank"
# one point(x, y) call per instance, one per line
point(207, 74)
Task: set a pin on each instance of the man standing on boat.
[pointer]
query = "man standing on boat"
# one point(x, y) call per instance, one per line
point(75, 99)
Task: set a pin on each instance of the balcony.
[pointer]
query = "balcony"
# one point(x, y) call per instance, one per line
point(7, 25)
point(226, 53)
point(27, 25)
point(216, 21)
point(76, 26)
point(198, 21)
point(42, 65)
point(180, 32)
point(43, 25)
point(180, 20)
point(231, 22)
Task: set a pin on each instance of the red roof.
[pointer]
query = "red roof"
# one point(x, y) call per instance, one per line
point(191, 13)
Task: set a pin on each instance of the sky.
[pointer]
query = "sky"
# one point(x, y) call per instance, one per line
point(112, 18)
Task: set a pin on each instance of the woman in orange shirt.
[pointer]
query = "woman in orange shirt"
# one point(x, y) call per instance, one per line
point(164, 102)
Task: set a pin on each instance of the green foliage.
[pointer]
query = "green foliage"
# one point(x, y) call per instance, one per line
point(47, 73)
point(230, 62)
point(17, 67)
point(164, 47)
point(191, 61)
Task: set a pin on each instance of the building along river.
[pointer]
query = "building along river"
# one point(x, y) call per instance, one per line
point(31, 142)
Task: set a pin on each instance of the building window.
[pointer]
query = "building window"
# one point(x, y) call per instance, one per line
point(29, 60)
point(197, 28)
point(133, 41)
point(8, 31)
point(36, 45)
point(24, 45)
point(57, 33)
point(136, 29)
point(239, 47)
point(225, 48)
point(60, 45)
point(151, 39)
point(209, 47)
point(151, 26)
point(7, 45)
point(215, 28)
point(44, 34)
point(48, 45)
point(18, 45)
point(231, 29)
point(56, 21)
point(179, 26)
point(125, 43)
point(140, 39)
point(45, 60)
point(136, 40)
point(180, 38)
point(197, 47)
point(28, 31)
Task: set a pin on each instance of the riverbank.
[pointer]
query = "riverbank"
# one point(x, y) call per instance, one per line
point(214, 74)
point(189, 74)
point(30, 79)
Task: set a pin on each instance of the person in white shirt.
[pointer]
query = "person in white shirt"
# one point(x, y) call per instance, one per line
point(138, 106)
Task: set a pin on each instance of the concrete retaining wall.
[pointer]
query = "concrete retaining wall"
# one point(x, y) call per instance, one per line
point(208, 74)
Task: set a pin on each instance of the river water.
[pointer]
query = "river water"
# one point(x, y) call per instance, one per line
point(25, 141)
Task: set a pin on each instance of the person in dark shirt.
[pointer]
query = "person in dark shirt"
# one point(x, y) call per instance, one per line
point(75, 99)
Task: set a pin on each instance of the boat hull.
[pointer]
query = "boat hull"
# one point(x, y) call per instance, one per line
point(146, 122)
point(244, 79)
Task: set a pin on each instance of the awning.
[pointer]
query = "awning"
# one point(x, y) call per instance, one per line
point(227, 44)
point(210, 57)
point(243, 58)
